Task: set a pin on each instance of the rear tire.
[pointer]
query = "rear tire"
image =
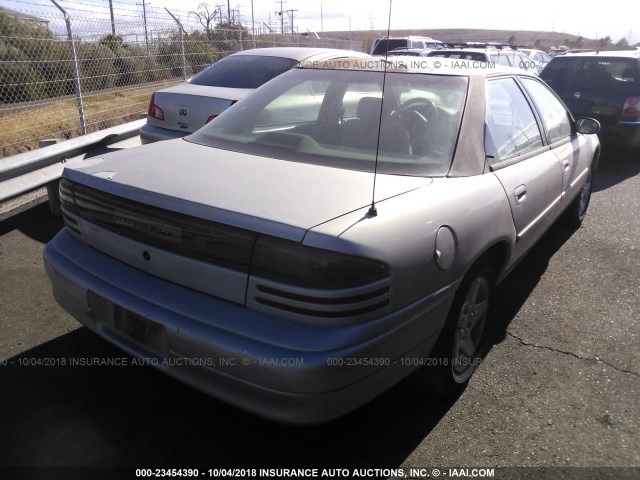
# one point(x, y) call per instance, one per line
point(463, 340)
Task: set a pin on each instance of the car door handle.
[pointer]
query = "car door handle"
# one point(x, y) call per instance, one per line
point(520, 194)
point(565, 165)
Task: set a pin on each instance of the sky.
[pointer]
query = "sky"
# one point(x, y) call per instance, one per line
point(616, 18)
point(619, 18)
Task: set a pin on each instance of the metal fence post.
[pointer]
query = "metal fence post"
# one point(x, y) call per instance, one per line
point(76, 71)
point(53, 188)
point(181, 29)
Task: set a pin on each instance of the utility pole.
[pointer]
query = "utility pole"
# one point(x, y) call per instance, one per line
point(113, 23)
point(281, 15)
point(253, 26)
point(219, 10)
point(321, 20)
point(228, 11)
point(144, 16)
point(290, 12)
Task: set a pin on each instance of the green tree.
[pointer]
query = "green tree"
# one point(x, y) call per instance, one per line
point(34, 63)
point(96, 66)
point(622, 44)
point(132, 64)
point(604, 43)
point(229, 37)
point(200, 51)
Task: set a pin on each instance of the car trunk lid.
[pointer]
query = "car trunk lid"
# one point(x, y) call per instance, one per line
point(187, 107)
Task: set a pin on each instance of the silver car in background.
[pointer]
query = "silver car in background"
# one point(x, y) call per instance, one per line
point(540, 58)
point(180, 110)
point(490, 55)
point(338, 230)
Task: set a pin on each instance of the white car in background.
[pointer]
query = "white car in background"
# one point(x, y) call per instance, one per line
point(538, 56)
point(489, 54)
point(180, 110)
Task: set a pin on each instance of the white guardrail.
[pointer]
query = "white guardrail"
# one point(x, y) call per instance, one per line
point(25, 172)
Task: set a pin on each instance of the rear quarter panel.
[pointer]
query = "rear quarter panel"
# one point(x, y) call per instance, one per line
point(403, 233)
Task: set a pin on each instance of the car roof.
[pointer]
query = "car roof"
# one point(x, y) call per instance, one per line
point(488, 49)
point(605, 53)
point(427, 65)
point(412, 37)
point(301, 53)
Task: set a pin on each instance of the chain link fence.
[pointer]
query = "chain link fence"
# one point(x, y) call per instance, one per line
point(69, 68)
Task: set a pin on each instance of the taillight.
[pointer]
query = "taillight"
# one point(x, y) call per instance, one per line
point(233, 102)
point(295, 264)
point(154, 110)
point(67, 195)
point(631, 107)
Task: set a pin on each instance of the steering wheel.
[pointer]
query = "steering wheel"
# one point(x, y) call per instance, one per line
point(420, 107)
point(415, 115)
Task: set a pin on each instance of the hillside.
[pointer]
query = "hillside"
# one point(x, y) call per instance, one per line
point(522, 37)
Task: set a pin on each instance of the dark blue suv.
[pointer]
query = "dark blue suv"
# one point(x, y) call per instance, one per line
point(604, 86)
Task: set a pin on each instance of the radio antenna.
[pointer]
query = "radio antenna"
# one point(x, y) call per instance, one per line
point(372, 209)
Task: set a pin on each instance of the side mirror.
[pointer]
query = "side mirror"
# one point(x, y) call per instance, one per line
point(588, 126)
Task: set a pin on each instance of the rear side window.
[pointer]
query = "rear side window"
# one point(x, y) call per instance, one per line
point(554, 115)
point(243, 71)
point(500, 59)
point(512, 129)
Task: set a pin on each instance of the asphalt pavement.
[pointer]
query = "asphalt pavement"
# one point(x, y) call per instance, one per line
point(559, 388)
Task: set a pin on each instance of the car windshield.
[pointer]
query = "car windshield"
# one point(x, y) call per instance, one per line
point(243, 71)
point(339, 118)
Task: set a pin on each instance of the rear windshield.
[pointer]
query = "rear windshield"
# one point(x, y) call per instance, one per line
point(338, 118)
point(386, 44)
point(243, 71)
point(606, 73)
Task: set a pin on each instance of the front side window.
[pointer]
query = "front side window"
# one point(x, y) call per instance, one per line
point(554, 115)
point(511, 127)
point(340, 118)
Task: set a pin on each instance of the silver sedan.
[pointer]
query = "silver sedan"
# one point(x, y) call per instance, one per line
point(180, 110)
point(340, 229)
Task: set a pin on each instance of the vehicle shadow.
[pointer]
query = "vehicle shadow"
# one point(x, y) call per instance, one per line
point(615, 166)
point(131, 415)
point(36, 223)
point(89, 414)
point(516, 288)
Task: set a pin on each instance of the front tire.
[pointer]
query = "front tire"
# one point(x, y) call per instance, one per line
point(577, 210)
point(463, 340)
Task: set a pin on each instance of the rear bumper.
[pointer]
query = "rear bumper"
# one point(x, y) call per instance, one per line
point(150, 134)
point(615, 133)
point(283, 370)
point(624, 133)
